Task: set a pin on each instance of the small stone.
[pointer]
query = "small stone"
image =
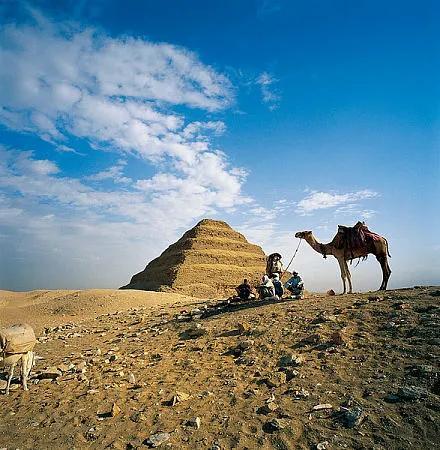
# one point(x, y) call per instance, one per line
point(290, 360)
point(300, 394)
point(322, 406)
point(275, 425)
point(113, 358)
point(330, 292)
point(195, 422)
point(63, 367)
point(276, 379)
point(193, 332)
point(138, 416)
point(245, 345)
point(131, 378)
point(290, 373)
point(157, 439)
point(352, 417)
point(115, 410)
point(411, 393)
point(243, 327)
point(338, 338)
point(267, 408)
point(179, 397)
point(323, 445)
point(51, 373)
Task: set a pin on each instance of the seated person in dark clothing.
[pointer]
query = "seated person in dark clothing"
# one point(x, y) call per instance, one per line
point(244, 291)
point(279, 289)
point(295, 285)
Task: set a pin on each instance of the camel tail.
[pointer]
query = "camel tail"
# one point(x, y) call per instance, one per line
point(388, 251)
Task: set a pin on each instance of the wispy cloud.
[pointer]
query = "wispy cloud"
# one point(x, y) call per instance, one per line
point(269, 94)
point(324, 200)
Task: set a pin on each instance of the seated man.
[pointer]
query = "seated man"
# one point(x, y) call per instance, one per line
point(295, 285)
point(244, 290)
point(279, 289)
point(266, 288)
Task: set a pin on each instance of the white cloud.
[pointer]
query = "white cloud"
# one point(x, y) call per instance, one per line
point(324, 200)
point(115, 173)
point(268, 93)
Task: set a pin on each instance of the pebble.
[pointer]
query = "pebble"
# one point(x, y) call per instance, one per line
point(411, 393)
point(51, 373)
point(323, 445)
point(290, 360)
point(267, 408)
point(352, 417)
point(157, 439)
point(322, 406)
point(195, 422)
point(275, 425)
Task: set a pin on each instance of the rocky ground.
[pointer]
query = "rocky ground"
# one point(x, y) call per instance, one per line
point(358, 371)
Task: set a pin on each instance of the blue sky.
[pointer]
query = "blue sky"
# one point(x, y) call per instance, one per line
point(123, 123)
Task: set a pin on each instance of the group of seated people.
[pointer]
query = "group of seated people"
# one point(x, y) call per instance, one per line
point(272, 288)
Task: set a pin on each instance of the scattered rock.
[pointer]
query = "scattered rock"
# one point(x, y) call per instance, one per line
point(193, 332)
point(351, 417)
point(310, 340)
point(290, 373)
point(323, 445)
point(338, 338)
point(115, 410)
point(195, 422)
point(243, 328)
point(131, 378)
point(330, 293)
point(411, 393)
point(322, 406)
point(290, 360)
point(267, 408)
point(275, 425)
point(138, 416)
point(51, 373)
point(157, 439)
point(300, 394)
point(179, 397)
point(422, 371)
point(275, 379)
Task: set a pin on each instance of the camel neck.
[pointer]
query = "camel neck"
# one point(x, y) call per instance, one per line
point(324, 249)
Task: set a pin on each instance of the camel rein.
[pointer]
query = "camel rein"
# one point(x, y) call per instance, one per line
point(296, 251)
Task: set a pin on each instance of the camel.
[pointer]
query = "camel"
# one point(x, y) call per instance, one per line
point(359, 246)
point(16, 345)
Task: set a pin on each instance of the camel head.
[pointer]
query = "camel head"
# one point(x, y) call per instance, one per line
point(303, 234)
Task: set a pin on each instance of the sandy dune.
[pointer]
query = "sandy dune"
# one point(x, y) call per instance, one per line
point(54, 307)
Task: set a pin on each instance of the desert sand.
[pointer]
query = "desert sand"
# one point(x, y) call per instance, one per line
point(131, 369)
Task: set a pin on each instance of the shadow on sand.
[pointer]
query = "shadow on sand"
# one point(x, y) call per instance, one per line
point(224, 307)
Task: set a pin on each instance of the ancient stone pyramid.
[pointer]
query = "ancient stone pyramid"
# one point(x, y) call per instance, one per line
point(208, 261)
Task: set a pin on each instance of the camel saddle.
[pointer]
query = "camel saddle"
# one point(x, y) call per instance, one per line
point(18, 338)
point(351, 238)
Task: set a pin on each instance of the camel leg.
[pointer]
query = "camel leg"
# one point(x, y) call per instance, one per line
point(386, 271)
point(348, 275)
point(24, 370)
point(10, 375)
point(342, 267)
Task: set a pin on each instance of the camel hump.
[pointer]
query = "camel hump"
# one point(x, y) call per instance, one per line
point(354, 238)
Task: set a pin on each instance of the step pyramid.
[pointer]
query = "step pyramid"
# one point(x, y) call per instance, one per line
point(208, 261)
